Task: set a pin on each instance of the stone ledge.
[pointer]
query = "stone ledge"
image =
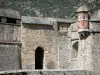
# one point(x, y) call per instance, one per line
point(48, 72)
point(10, 24)
point(11, 43)
point(74, 39)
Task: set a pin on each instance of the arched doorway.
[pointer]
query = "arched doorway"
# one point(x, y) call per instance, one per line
point(75, 50)
point(39, 55)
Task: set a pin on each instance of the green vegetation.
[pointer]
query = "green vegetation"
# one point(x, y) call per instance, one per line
point(50, 8)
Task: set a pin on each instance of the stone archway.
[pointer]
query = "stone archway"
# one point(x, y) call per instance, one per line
point(39, 56)
point(75, 50)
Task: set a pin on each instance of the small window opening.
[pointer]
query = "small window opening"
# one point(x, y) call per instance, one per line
point(11, 20)
point(84, 17)
point(0, 19)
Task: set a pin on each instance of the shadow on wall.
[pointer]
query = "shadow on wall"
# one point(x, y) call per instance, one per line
point(38, 27)
point(17, 73)
point(84, 35)
point(75, 50)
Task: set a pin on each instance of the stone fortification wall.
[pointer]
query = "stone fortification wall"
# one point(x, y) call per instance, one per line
point(55, 72)
point(37, 35)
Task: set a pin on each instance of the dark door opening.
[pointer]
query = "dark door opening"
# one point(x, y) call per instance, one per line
point(39, 55)
point(11, 20)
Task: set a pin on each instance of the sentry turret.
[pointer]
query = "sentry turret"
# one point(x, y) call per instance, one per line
point(83, 21)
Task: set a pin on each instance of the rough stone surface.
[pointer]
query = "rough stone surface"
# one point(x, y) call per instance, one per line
point(10, 33)
point(95, 47)
point(10, 13)
point(10, 57)
point(10, 50)
point(34, 36)
point(53, 39)
point(36, 20)
point(64, 72)
point(62, 45)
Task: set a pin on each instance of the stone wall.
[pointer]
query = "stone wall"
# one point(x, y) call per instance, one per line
point(64, 72)
point(95, 46)
point(63, 41)
point(54, 40)
point(60, 73)
point(34, 36)
point(10, 33)
point(73, 45)
point(84, 59)
point(10, 57)
point(10, 46)
point(89, 54)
